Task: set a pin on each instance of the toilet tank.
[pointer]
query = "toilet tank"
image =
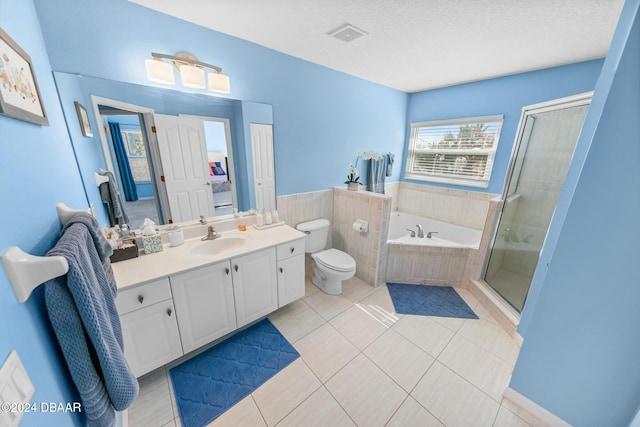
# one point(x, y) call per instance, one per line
point(317, 232)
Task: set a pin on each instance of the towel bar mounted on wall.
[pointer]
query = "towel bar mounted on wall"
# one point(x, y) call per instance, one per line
point(100, 178)
point(26, 272)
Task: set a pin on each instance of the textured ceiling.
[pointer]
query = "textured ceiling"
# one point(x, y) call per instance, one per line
point(414, 45)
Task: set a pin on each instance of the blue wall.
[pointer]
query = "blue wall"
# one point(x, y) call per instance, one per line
point(500, 96)
point(37, 170)
point(581, 352)
point(319, 114)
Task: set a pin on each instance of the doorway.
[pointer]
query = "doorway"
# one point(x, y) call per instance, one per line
point(131, 164)
point(546, 141)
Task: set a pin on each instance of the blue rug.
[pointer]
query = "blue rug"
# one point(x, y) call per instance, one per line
point(215, 380)
point(442, 301)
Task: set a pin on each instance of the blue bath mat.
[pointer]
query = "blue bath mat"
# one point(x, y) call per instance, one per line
point(215, 380)
point(442, 301)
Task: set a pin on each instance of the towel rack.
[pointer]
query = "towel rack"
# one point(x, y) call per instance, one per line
point(26, 272)
point(100, 179)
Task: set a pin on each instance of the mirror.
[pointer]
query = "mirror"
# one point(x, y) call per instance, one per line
point(231, 175)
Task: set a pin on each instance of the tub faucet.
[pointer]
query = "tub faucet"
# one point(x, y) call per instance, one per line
point(420, 232)
point(413, 233)
point(211, 234)
point(429, 234)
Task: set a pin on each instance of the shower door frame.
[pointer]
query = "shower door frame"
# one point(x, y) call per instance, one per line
point(542, 107)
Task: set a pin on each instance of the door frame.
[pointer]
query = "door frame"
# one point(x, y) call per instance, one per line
point(162, 201)
point(542, 107)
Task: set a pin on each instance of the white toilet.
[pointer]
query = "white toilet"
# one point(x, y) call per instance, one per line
point(330, 266)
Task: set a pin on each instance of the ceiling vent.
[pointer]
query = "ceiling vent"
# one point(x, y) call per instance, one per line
point(347, 33)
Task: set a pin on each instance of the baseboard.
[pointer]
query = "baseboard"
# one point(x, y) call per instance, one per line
point(506, 316)
point(532, 408)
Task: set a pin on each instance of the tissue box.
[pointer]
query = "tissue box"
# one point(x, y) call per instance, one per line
point(152, 244)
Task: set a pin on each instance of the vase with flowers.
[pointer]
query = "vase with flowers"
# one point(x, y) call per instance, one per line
point(352, 178)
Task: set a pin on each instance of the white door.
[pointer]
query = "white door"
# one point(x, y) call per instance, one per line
point(263, 166)
point(255, 285)
point(183, 153)
point(290, 279)
point(151, 337)
point(204, 304)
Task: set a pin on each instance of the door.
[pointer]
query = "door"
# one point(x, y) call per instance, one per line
point(151, 337)
point(263, 166)
point(290, 279)
point(204, 304)
point(183, 153)
point(547, 139)
point(255, 285)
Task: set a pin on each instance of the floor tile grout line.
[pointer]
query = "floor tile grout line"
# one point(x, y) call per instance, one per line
point(459, 374)
point(470, 383)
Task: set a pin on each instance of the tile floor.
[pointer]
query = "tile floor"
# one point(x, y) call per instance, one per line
point(362, 364)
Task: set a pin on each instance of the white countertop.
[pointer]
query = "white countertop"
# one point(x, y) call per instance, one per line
point(176, 259)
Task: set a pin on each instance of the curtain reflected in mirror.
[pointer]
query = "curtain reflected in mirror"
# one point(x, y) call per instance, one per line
point(224, 174)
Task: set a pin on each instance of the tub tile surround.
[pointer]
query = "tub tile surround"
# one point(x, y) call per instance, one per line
point(368, 249)
point(460, 207)
point(405, 370)
point(442, 266)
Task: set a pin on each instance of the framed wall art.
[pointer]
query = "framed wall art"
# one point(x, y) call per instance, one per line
point(19, 92)
point(83, 118)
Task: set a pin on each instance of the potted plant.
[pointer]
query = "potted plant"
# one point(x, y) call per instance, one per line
point(352, 179)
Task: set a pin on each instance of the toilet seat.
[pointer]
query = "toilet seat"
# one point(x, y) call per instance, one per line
point(335, 259)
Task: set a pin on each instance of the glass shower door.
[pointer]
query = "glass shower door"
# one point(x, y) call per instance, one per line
point(548, 136)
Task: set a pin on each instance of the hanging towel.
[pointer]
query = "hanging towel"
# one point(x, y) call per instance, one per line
point(113, 201)
point(389, 158)
point(82, 310)
point(378, 170)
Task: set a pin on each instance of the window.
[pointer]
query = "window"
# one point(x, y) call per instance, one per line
point(457, 151)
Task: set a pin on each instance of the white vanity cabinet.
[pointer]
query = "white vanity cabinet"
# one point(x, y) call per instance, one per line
point(290, 271)
point(204, 304)
point(149, 327)
point(255, 285)
point(174, 302)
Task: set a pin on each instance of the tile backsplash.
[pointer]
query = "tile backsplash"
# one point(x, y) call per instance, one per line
point(461, 207)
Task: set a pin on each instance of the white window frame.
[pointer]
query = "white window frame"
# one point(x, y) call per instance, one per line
point(452, 178)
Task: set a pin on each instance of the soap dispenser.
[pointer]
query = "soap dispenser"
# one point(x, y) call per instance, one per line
point(267, 218)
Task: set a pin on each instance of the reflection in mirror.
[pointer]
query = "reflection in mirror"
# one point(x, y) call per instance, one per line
point(181, 154)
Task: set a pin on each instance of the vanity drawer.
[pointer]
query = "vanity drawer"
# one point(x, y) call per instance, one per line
point(142, 296)
point(289, 249)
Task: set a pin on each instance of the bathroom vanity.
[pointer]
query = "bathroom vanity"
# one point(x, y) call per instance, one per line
point(175, 301)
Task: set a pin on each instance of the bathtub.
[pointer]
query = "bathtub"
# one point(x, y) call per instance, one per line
point(447, 236)
point(440, 260)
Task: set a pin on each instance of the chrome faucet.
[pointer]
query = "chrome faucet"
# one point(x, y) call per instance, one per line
point(203, 220)
point(413, 233)
point(420, 232)
point(211, 234)
point(429, 234)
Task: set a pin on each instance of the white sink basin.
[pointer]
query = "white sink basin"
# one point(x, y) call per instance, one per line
point(217, 246)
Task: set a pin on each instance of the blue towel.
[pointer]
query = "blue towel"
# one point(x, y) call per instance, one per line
point(82, 310)
point(112, 198)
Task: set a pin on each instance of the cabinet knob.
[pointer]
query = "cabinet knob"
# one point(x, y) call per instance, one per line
point(140, 299)
point(293, 249)
point(235, 267)
point(169, 312)
point(280, 269)
point(226, 270)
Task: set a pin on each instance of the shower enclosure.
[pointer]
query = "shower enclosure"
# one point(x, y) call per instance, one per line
point(546, 140)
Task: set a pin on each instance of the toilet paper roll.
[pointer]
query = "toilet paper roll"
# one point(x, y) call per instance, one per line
point(361, 226)
point(176, 238)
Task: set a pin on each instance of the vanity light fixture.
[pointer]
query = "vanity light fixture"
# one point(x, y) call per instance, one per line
point(192, 72)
